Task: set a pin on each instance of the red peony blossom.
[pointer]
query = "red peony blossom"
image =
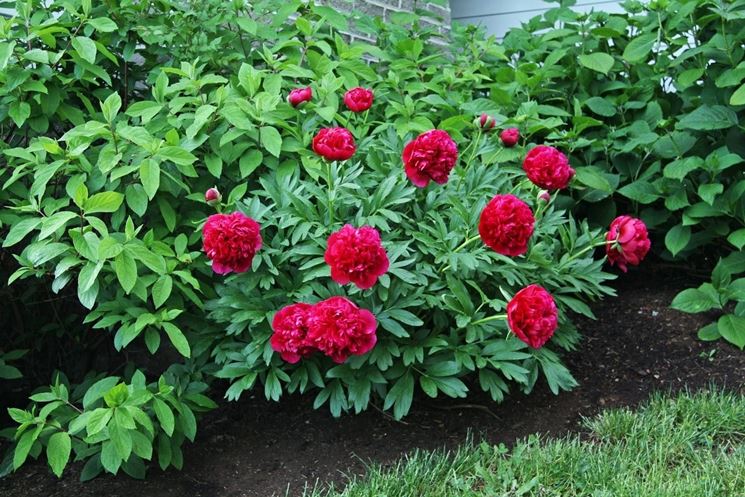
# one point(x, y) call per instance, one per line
point(486, 122)
point(356, 255)
point(532, 315)
point(358, 99)
point(290, 326)
point(627, 242)
point(430, 156)
point(299, 96)
point(548, 168)
point(506, 225)
point(510, 137)
point(339, 328)
point(231, 241)
point(334, 144)
point(212, 196)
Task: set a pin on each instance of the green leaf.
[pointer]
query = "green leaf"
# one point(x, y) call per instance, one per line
point(249, 162)
point(164, 415)
point(693, 301)
point(20, 229)
point(126, 271)
point(709, 117)
point(110, 459)
point(709, 332)
point(110, 107)
point(58, 452)
point(639, 48)
point(150, 177)
point(19, 112)
point(737, 238)
point(677, 238)
point(162, 290)
point(23, 447)
point(177, 155)
point(400, 396)
point(732, 329)
point(85, 47)
point(738, 98)
point(6, 50)
point(601, 106)
point(641, 191)
point(271, 140)
point(99, 389)
point(177, 339)
point(103, 24)
point(103, 202)
point(600, 62)
point(592, 177)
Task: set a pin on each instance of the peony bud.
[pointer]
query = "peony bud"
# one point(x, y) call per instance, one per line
point(212, 196)
point(544, 196)
point(510, 137)
point(485, 122)
point(300, 96)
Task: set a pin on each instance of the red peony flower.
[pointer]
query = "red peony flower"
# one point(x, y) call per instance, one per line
point(290, 326)
point(212, 196)
point(532, 315)
point(299, 96)
point(548, 168)
point(339, 328)
point(510, 137)
point(627, 242)
point(356, 255)
point(486, 122)
point(334, 144)
point(231, 241)
point(506, 225)
point(430, 156)
point(358, 99)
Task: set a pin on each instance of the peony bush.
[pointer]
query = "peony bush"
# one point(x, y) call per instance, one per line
point(272, 212)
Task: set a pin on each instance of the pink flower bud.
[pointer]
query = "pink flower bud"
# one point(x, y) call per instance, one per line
point(510, 137)
point(544, 195)
point(299, 96)
point(485, 122)
point(212, 196)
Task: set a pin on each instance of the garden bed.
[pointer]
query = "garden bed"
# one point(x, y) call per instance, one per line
point(259, 448)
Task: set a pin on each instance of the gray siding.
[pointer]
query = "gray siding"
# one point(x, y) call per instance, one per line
point(500, 15)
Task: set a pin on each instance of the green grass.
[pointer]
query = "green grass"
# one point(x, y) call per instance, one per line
point(688, 446)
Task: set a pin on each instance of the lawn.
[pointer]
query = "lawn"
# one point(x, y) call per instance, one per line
point(687, 446)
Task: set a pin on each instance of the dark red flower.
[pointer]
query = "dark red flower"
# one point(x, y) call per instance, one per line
point(290, 331)
point(358, 99)
point(299, 96)
point(231, 241)
point(532, 315)
point(627, 242)
point(334, 144)
point(510, 137)
point(339, 328)
point(548, 168)
point(356, 255)
point(486, 122)
point(430, 156)
point(506, 225)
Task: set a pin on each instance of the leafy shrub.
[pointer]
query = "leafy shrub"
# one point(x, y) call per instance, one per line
point(117, 120)
point(656, 98)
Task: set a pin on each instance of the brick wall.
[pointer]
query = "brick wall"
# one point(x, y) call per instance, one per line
point(431, 14)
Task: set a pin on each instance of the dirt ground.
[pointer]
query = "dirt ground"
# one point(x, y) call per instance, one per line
point(255, 448)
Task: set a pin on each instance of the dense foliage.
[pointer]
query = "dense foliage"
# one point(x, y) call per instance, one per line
point(116, 119)
point(655, 110)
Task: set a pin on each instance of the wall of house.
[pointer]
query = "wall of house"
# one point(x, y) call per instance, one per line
point(500, 15)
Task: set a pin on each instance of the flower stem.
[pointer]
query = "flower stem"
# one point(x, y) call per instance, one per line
point(586, 250)
point(490, 318)
point(330, 182)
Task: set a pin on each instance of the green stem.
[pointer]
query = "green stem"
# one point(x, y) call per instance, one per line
point(585, 250)
point(330, 182)
point(490, 318)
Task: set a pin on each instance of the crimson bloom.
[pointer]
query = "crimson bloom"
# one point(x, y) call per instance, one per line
point(430, 156)
point(358, 99)
point(290, 332)
point(231, 241)
point(334, 144)
point(532, 315)
point(506, 225)
point(627, 242)
point(356, 255)
point(299, 96)
point(510, 137)
point(338, 328)
point(548, 168)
